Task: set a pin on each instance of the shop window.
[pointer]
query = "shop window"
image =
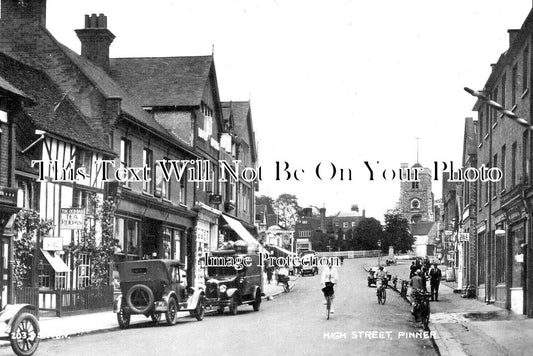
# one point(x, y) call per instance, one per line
point(127, 235)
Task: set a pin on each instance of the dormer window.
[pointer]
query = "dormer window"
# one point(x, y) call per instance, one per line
point(208, 119)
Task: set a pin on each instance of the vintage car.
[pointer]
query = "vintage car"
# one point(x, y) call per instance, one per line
point(153, 287)
point(308, 264)
point(371, 272)
point(227, 286)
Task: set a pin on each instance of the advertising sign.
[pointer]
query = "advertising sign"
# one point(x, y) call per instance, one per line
point(72, 218)
point(51, 243)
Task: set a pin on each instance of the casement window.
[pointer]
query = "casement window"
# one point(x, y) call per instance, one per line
point(504, 79)
point(148, 161)
point(525, 139)
point(82, 199)
point(162, 186)
point(514, 85)
point(125, 156)
point(502, 181)
point(480, 121)
point(494, 112)
point(84, 160)
point(208, 119)
point(494, 185)
point(513, 164)
point(525, 69)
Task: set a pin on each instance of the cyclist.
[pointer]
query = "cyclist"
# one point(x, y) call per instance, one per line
point(381, 278)
point(328, 280)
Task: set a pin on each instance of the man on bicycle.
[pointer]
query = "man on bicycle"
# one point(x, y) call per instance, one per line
point(328, 280)
point(381, 279)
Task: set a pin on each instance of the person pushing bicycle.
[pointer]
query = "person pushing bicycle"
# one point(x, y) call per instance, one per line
point(328, 280)
point(381, 279)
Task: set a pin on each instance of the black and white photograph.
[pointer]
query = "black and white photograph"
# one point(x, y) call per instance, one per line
point(266, 177)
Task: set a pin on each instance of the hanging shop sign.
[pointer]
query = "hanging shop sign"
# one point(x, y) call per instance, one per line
point(72, 218)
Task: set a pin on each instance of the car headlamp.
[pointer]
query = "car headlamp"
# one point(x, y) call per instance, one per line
point(222, 288)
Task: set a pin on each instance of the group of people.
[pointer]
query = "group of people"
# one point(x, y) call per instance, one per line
point(419, 280)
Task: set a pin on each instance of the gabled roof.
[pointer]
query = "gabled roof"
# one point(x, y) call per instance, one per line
point(163, 81)
point(52, 111)
point(242, 123)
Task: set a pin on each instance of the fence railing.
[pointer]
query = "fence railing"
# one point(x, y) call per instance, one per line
point(350, 254)
point(64, 301)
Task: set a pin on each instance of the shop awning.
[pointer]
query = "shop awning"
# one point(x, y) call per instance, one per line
point(242, 232)
point(56, 262)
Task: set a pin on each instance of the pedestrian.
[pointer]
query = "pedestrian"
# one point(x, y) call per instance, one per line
point(418, 285)
point(435, 276)
point(342, 260)
point(269, 271)
point(413, 270)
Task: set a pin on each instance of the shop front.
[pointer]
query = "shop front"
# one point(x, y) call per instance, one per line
point(8, 210)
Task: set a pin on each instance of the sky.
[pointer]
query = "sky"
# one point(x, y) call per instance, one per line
point(331, 82)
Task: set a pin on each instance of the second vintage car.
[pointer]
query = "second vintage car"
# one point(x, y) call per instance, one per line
point(227, 286)
point(155, 287)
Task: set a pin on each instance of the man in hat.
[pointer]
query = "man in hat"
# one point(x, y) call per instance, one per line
point(435, 276)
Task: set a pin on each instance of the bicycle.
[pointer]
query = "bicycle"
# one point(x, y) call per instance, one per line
point(328, 293)
point(381, 293)
point(285, 281)
point(421, 307)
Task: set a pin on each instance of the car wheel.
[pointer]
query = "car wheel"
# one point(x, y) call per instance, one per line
point(233, 305)
point(257, 302)
point(140, 298)
point(220, 310)
point(171, 315)
point(199, 312)
point(24, 337)
point(123, 319)
point(369, 283)
point(156, 317)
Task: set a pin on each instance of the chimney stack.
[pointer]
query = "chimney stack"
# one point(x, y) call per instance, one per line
point(95, 40)
point(513, 35)
point(24, 12)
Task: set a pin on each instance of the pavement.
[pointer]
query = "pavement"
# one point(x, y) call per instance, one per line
point(464, 326)
point(75, 325)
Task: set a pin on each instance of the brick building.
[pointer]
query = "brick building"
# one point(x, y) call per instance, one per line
point(502, 242)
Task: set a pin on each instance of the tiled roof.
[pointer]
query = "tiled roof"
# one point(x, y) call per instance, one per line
point(242, 126)
point(39, 49)
point(52, 110)
point(163, 81)
point(6, 86)
point(109, 88)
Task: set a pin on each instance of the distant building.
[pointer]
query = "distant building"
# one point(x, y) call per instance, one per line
point(416, 197)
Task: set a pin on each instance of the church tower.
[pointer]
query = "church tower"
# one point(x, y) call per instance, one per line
point(416, 198)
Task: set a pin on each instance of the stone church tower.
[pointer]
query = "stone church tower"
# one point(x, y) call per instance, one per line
point(416, 198)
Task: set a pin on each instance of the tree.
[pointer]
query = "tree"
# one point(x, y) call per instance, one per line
point(265, 200)
point(367, 234)
point(397, 233)
point(286, 208)
point(32, 229)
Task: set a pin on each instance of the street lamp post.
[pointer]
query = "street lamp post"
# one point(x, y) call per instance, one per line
point(379, 256)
